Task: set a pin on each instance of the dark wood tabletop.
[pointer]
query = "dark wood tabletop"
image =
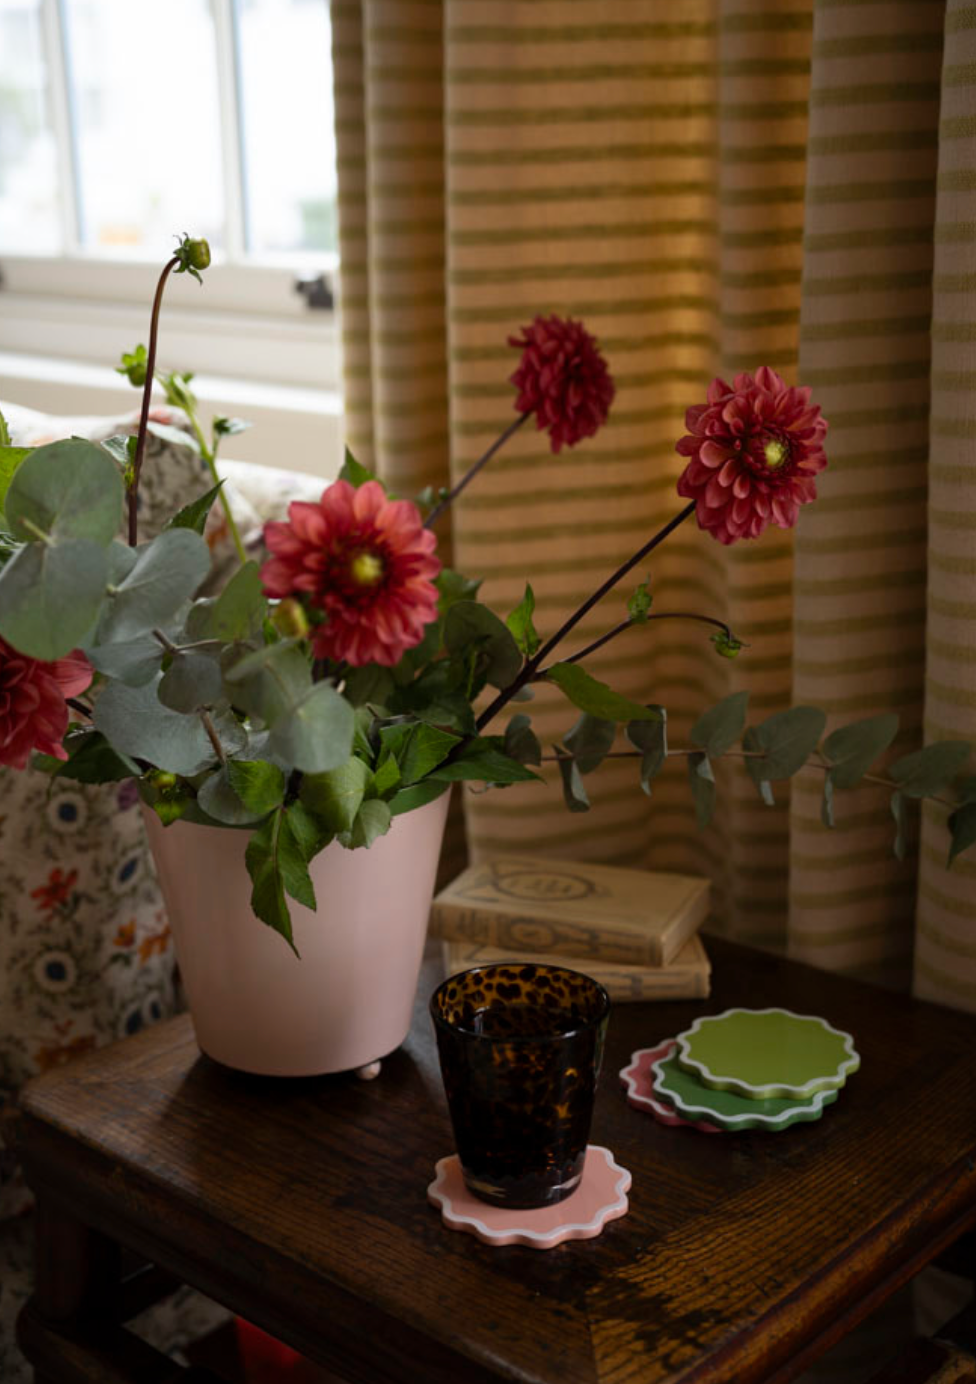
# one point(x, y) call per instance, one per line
point(302, 1203)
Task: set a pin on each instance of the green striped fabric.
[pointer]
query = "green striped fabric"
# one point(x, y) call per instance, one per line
point(711, 187)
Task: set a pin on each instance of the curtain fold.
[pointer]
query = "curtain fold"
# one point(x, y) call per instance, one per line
point(709, 187)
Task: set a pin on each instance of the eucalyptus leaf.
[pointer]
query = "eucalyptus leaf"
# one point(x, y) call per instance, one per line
point(453, 586)
point(596, 697)
point(590, 741)
point(221, 801)
point(259, 785)
point(853, 749)
point(651, 738)
point(192, 680)
point(135, 661)
point(930, 769)
point(718, 729)
point(371, 683)
point(574, 793)
point(335, 797)
point(167, 572)
point(194, 515)
point(316, 734)
point(470, 625)
point(521, 742)
point(121, 448)
point(176, 437)
point(962, 826)
point(50, 597)
point(270, 682)
point(520, 624)
point(899, 810)
point(136, 723)
point(786, 740)
point(702, 781)
point(68, 490)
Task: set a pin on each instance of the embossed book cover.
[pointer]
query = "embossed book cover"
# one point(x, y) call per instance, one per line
point(570, 909)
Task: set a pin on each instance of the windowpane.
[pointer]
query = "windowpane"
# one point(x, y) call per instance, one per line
point(147, 122)
point(29, 211)
point(286, 97)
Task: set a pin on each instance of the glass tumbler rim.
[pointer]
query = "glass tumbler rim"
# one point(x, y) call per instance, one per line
point(520, 1038)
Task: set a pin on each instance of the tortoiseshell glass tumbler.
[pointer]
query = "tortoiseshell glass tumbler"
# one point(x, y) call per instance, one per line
point(520, 1050)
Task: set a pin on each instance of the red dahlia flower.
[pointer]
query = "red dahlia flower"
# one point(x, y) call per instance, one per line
point(33, 711)
point(755, 449)
point(563, 379)
point(366, 561)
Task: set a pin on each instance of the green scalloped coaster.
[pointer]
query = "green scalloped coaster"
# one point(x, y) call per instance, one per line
point(729, 1111)
point(766, 1054)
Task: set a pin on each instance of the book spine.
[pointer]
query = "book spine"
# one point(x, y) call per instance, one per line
point(524, 933)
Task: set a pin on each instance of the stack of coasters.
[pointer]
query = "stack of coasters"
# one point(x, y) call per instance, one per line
point(743, 1069)
point(634, 931)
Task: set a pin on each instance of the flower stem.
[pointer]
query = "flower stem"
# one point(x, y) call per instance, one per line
point(210, 459)
point(472, 471)
point(532, 665)
point(626, 624)
point(75, 705)
point(146, 396)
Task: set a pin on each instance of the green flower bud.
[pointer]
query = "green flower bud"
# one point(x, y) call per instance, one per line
point(289, 619)
point(133, 366)
point(193, 255)
point(727, 645)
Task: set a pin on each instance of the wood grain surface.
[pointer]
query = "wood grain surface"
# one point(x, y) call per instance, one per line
point(302, 1204)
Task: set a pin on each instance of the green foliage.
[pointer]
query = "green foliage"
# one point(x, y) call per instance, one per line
point(336, 797)
point(136, 723)
point(452, 586)
point(372, 821)
point(727, 645)
point(316, 733)
point(931, 769)
point(4, 432)
point(785, 741)
point(590, 741)
point(10, 459)
point(91, 759)
point(353, 472)
point(574, 793)
point(194, 515)
point(65, 490)
point(962, 829)
point(259, 785)
point(417, 795)
point(851, 750)
point(639, 604)
point(193, 254)
point(483, 758)
point(702, 781)
point(135, 366)
point(651, 738)
point(167, 572)
point(50, 596)
point(417, 748)
point(520, 624)
point(521, 742)
point(228, 427)
point(133, 661)
point(220, 800)
point(176, 437)
point(473, 631)
point(595, 697)
point(192, 680)
point(277, 859)
point(718, 729)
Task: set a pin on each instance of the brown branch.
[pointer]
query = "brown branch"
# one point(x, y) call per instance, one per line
point(146, 395)
point(472, 471)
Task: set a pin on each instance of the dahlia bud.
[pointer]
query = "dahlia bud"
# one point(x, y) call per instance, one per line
point(133, 366)
point(289, 619)
point(727, 645)
point(193, 255)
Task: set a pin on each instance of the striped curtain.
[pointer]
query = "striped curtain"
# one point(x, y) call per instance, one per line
point(710, 187)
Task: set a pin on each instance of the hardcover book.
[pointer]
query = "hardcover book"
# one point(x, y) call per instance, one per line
point(571, 909)
point(687, 977)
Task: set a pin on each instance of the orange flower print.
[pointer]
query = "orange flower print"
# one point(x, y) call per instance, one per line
point(57, 890)
point(126, 934)
point(56, 1057)
point(155, 944)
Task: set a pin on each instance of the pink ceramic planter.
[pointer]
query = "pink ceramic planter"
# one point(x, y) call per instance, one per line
point(349, 999)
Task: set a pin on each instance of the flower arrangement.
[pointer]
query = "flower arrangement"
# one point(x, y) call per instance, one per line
point(346, 680)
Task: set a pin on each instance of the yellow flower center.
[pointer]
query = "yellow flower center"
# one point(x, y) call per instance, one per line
point(366, 569)
point(775, 452)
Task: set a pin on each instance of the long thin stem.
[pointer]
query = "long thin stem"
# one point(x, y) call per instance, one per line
point(626, 624)
point(472, 471)
point(532, 665)
point(209, 456)
point(146, 396)
point(79, 706)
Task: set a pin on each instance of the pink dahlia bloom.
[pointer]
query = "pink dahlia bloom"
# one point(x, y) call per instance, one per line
point(33, 712)
point(366, 561)
point(563, 379)
point(755, 449)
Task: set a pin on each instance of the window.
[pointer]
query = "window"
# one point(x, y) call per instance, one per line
point(124, 123)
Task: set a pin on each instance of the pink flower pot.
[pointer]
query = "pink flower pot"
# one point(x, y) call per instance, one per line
point(348, 999)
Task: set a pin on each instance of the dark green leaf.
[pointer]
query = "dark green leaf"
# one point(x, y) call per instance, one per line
point(574, 793)
point(192, 680)
point(270, 682)
point(259, 785)
point(275, 862)
point(470, 625)
point(853, 749)
point(966, 789)
point(353, 472)
point(520, 624)
point(899, 810)
point(521, 742)
point(590, 741)
point(220, 800)
point(136, 723)
point(194, 515)
point(372, 820)
point(702, 782)
point(68, 490)
point(452, 587)
point(651, 737)
point(639, 605)
point(310, 835)
point(335, 797)
point(718, 729)
point(316, 735)
point(385, 779)
point(786, 740)
point(91, 759)
point(370, 683)
point(483, 760)
point(451, 711)
point(962, 825)
point(596, 697)
point(417, 748)
point(50, 596)
point(930, 769)
point(417, 795)
point(167, 572)
point(239, 610)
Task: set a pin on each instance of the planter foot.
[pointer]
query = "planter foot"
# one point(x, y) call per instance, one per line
point(369, 1071)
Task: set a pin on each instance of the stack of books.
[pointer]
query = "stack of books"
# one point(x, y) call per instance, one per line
point(634, 931)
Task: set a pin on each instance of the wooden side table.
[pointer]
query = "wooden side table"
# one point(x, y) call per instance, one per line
point(301, 1205)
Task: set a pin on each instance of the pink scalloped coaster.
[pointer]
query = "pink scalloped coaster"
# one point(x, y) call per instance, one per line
point(638, 1077)
point(600, 1197)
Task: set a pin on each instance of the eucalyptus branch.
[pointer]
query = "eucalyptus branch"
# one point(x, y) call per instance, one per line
point(146, 396)
point(472, 471)
point(166, 642)
point(626, 624)
point(532, 665)
point(75, 705)
point(38, 532)
point(212, 735)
